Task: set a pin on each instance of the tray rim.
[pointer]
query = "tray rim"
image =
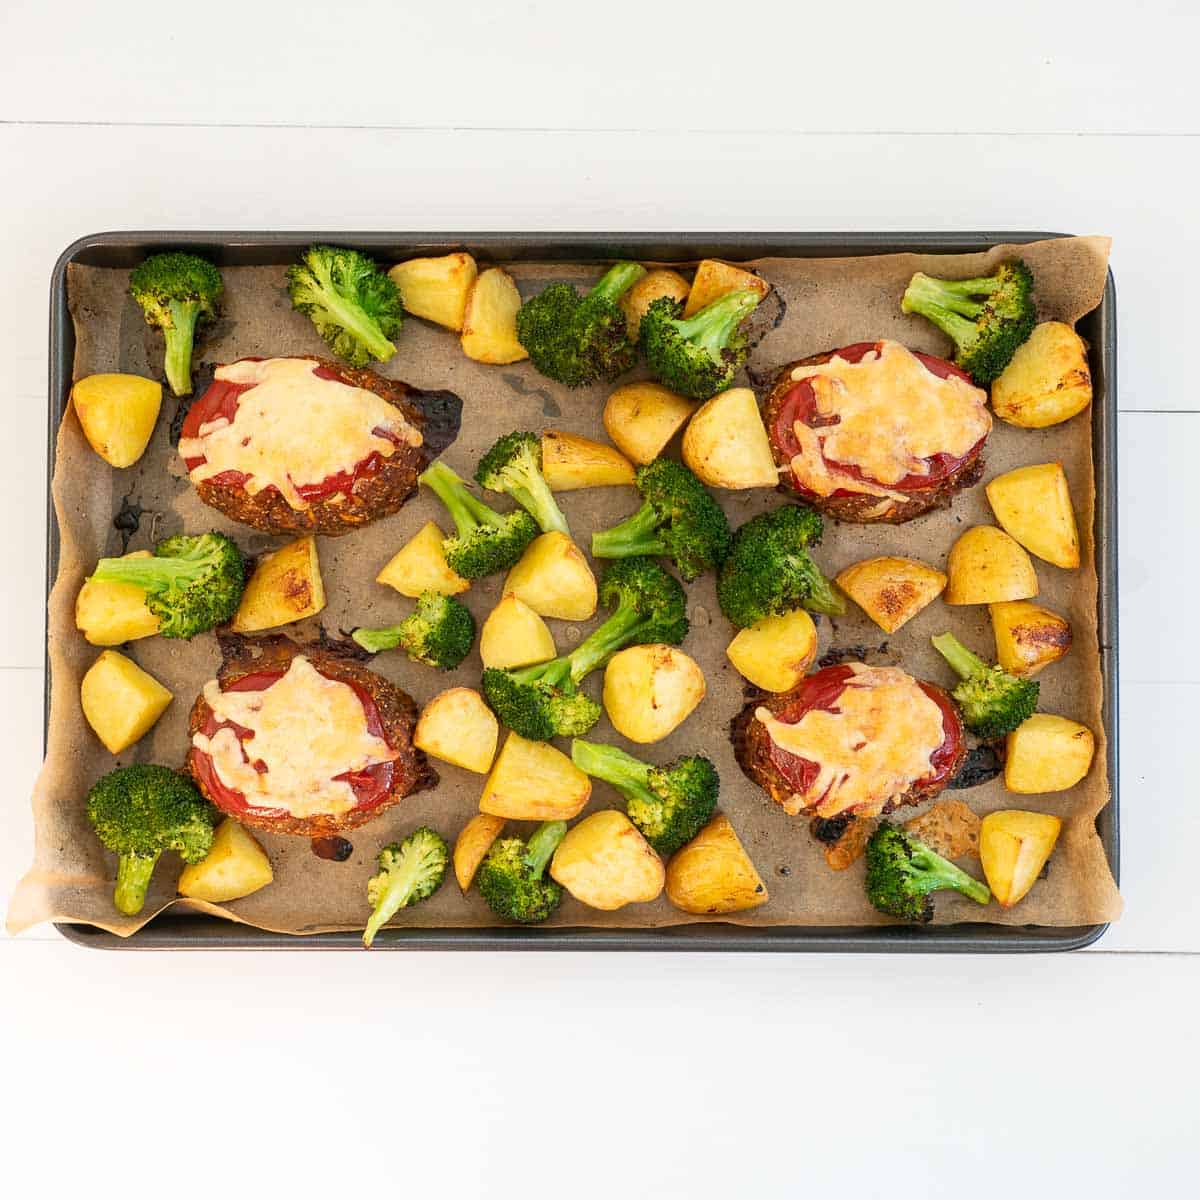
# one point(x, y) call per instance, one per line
point(174, 931)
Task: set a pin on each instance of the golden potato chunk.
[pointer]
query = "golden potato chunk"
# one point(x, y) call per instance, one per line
point(715, 279)
point(651, 690)
point(1033, 504)
point(489, 330)
point(436, 288)
point(420, 566)
point(713, 874)
point(1028, 636)
point(641, 418)
point(286, 586)
point(986, 566)
point(774, 653)
point(532, 781)
point(472, 845)
point(1047, 381)
point(570, 461)
point(515, 636)
point(891, 591)
point(235, 867)
point(118, 414)
point(458, 727)
point(726, 445)
point(120, 700)
point(605, 863)
point(554, 579)
point(1047, 753)
point(654, 285)
point(110, 614)
point(1014, 846)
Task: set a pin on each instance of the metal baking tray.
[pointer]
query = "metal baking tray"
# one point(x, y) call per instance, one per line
point(187, 931)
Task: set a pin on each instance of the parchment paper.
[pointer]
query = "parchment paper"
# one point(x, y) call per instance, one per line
point(820, 304)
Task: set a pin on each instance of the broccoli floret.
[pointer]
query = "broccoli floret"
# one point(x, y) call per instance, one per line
point(513, 466)
point(578, 339)
point(669, 805)
point(409, 872)
point(697, 357)
point(901, 872)
point(356, 308)
point(140, 811)
point(177, 293)
point(544, 701)
point(769, 569)
point(439, 633)
point(678, 519)
point(511, 878)
point(992, 701)
point(487, 541)
point(191, 582)
point(987, 318)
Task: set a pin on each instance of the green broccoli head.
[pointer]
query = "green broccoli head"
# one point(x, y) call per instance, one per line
point(409, 872)
point(678, 519)
point(697, 356)
point(192, 582)
point(987, 319)
point(669, 805)
point(140, 811)
point(511, 877)
point(355, 307)
point(539, 702)
point(440, 633)
point(575, 339)
point(769, 570)
point(901, 872)
point(177, 293)
point(486, 541)
point(513, 466)
point(993, 702)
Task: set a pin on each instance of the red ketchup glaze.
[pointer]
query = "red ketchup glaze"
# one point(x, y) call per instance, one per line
point(221, 400)
point(371, 786)
point(820, 693)
point(800, 404)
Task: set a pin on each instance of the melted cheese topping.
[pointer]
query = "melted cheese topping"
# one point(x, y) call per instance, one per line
point(306, 728)
point(293, 428)
point(892, 414)
point(874, 748)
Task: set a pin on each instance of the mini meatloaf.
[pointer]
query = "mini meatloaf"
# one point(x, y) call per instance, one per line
point(303, 444)
point(851, 740)
point(303, 740)
point(876, 432)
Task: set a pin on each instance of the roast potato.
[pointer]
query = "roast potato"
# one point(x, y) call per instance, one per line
point(110, 614)
point(489, 330)
point(120, 700)
point(436, 288)
point(118, 414)
point(986, 566)
point(1028, 636)
point(715, 279)
point(554, 579)
point(641, 418)
point(472, 845)
point(654, 285)
point(1047, 381)
point(891, 591)
point(774, 653)
point(1047, 753)
point(605, 863)
point(1033, 504)
point(458, 727)
point(713, 873)
point(726, 445)
point(570, 461)
point(1014, 846)
point(286, 586)
point(515, 636)
point(650, 690)
point(532, 781)
point(420, 566)
point(235, 866)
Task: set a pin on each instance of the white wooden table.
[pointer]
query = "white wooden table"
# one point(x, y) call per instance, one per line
point(595, 1075)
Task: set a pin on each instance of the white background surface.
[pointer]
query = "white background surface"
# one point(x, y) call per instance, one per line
point(647, 1075)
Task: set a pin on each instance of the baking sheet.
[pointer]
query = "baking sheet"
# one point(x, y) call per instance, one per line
point(825, 302)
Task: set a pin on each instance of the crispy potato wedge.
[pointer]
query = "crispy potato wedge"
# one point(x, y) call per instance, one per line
point(605, 863)
point(713, 873)
point(987, 566)
point(891, 591)
point(641, 418)
point(458, 727)
point(1047, 381)
point(420, 566)
point(570, 461)
point(715, 279)
point(654, 285)
point(109, 614)
point(118, 414)
point(1033, 505)
point(472, 845)
point(554, 579)
point(1047, 753)
point(948, 828)
point(235, 867)
point(436, 288)
point(515, 636)
point(489, 330)
point(1014, 846)
point(650, 690)
point(774, 653)
point(726, 445)
point(1028, 636)
point(120, 700)
point(286, 586)
point(532, 781)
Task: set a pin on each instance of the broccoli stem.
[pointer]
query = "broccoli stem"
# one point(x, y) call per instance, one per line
point(962, 662)
point(623, 771)
point(467, 511)
point(179, 339)
point(133, 879)
point(148, 573)
point(713, 326)
point(947, 303)
point(539, 502)
point(617, 280)
point(387, 637)
point(540, 848)
point(602, 642)
point(824, 597)
point(637, 535)
point(940, 873)
point(350, 316)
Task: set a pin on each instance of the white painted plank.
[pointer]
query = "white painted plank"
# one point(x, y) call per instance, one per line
point(1065, 67)
point(21, 722)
